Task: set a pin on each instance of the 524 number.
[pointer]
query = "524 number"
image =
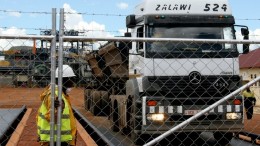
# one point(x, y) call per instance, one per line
point(215, 7)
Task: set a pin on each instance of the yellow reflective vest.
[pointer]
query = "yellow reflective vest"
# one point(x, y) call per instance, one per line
point(68, 123)
point(248, 94)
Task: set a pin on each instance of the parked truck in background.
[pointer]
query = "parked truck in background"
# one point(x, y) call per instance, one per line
point(146, 88)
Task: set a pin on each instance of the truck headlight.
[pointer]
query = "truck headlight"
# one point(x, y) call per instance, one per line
point(156, 117)
point(233, 116)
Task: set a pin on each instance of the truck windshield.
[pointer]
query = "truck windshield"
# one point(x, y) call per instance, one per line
point(191, 33)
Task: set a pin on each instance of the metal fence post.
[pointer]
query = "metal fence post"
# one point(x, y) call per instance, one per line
point(60, 63)
point(53, 67)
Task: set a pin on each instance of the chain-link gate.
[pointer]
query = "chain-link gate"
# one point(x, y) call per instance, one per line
point(135, 90)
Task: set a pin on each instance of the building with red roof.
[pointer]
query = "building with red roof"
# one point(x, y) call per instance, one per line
point(250, 60)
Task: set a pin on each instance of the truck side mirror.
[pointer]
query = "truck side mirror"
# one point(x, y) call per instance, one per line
point(245, 33)
point(130, 21)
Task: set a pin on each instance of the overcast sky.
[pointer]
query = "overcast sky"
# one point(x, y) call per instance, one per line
point(96, 17)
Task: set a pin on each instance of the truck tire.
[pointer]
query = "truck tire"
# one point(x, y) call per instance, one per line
point(132, 92)
point(135, 137)
point(138, 139)
point(223, 138)
point(87, 100)
point(104, 106)
point(115, 117)
point(95, 102)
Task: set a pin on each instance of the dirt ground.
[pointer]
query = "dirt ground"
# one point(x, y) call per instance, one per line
point(253, 125)
point(17, 97)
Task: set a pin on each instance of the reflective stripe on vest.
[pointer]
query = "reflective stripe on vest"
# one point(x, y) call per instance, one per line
point(44, 126)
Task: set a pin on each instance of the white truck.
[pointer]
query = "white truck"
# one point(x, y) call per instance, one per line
point(151, 87)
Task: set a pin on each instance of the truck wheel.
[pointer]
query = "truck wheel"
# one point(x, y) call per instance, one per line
point(95, 102)
point(115, 118)
point(132, 91)
point(87, 99)
point(135, 137)
point(127, 129)
point(105, 110)
point(223, 138)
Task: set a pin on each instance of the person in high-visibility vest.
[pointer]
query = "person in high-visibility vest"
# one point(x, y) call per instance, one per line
point(249, 102)
point(68, 121)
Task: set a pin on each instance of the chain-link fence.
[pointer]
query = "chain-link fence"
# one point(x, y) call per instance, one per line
point(130, 90)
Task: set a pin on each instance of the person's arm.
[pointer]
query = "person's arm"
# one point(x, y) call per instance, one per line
point(47, 103)
point(254, 98)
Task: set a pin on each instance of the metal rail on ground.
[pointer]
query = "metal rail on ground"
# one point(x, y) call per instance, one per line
point(96, 135)
point(8, 124)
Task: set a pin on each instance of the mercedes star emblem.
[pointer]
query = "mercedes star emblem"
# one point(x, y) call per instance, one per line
point(195, 77)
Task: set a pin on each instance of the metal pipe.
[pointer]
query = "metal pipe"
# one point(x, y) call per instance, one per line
point(85, 38)
point(188, 121)
point(53, 67)
point(60, 58)
point(26, 37)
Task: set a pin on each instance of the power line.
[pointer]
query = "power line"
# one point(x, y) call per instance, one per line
point(247, 19)
point(94, 14)
point(26, 28)
point(21, 12)
point(80, 30)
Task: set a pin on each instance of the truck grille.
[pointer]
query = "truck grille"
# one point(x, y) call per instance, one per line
point(182, 87)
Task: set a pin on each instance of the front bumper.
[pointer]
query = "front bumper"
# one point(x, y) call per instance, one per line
point(227, 126)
